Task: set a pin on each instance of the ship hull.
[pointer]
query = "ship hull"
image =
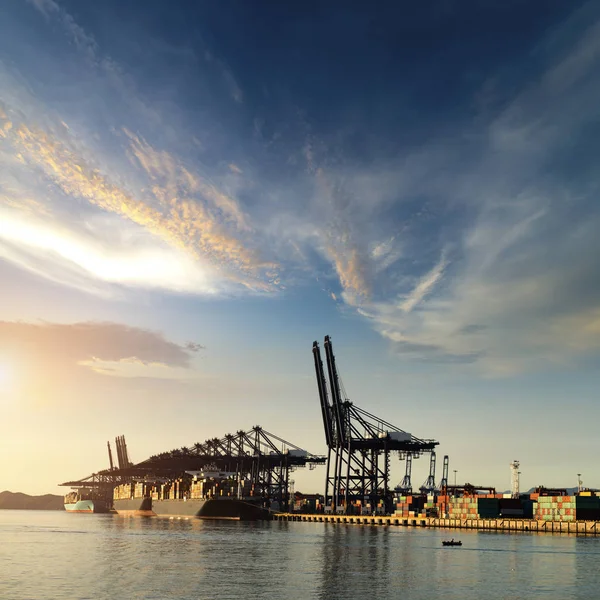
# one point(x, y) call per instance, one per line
point(177, 508)
point(232, 509)
point(86, 506)
point(134, 507)
point(218, 509)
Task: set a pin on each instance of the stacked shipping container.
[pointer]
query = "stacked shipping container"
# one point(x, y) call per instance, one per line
point(124, 491)
point(181, 488)
point(568, 508)
point(464, 507)
point(409, 506)
point(555, 508)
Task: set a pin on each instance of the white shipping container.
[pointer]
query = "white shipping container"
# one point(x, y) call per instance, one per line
point(396, 436)
point(298, 453)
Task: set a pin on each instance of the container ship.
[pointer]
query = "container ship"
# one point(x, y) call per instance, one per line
point(201, 494)
point(87, 500)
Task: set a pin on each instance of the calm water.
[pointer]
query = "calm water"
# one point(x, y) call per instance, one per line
point(56, 555)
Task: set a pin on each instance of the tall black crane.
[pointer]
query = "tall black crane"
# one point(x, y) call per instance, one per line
point(359, 444)
point(122, 455)
point(328, 418)
point(110, 458)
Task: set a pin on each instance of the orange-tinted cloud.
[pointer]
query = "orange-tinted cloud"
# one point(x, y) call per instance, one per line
point(185, 210)
point(172, 179)
point(340, 247)
point(351, 271)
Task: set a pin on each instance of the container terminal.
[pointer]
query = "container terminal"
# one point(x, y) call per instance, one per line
point(246, 476)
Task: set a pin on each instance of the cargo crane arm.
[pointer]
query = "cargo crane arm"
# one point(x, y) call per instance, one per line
point(336, 396)
point(405, 485)
point(326, 408)
point(110, 458)
point(429, 484)
point(445, 470)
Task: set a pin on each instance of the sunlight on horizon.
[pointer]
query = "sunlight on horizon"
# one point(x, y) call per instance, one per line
point(6, 377)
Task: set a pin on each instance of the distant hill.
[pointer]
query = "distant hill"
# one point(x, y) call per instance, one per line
point(19, 501)
point(571, 491)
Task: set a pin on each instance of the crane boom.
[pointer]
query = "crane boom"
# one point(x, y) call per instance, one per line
point(110, 458)
point(445, 471)
point(325, 406)
point(335, 392)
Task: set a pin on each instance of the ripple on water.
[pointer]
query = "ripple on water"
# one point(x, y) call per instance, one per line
point(53, 555)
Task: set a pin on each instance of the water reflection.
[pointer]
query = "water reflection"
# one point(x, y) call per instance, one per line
point(355, 562)
point(586, 579)
point(60, 557)
point(191, 558)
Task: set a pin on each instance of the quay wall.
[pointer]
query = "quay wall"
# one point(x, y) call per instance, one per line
point(499, 524)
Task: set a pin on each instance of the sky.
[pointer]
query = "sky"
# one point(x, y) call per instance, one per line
point(191, 193)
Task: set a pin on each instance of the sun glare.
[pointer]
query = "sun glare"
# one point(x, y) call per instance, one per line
point(4, 377)
point(154, 264)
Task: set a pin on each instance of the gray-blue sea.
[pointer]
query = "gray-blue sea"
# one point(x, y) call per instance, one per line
point(55, 555)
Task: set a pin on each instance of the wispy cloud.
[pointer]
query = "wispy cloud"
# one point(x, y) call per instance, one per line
point(476, 244)
point(351, 272)
point(77, 258)
point(234, 88)
point(172, 180)
point(198, 224)
point(517, 286)
point(82, 40)
point(45, 6)
point(230, 81)
point(185, 210)
point(424, 286)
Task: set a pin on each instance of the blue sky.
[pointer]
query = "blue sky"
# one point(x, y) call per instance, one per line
point(191, 193)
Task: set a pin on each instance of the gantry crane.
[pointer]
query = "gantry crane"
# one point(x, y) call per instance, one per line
point(359, 444)
point(261, 458)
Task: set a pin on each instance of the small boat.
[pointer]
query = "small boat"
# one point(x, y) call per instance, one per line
point(451, 543)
